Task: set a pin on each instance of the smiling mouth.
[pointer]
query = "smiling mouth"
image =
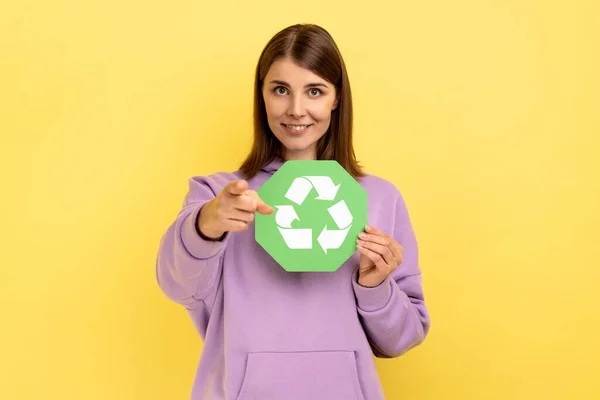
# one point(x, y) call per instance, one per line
point(297, 128)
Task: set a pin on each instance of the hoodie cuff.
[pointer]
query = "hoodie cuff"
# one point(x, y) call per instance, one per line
point(197, 246)
point(372, 299)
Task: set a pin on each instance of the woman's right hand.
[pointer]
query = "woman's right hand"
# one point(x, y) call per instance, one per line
point(231, 210)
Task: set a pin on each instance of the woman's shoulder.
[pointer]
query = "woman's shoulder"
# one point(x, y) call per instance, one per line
point(217, 178)
point(378, 185)
point(210, 184)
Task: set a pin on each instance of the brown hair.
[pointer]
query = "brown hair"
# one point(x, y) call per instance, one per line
point(312, 47)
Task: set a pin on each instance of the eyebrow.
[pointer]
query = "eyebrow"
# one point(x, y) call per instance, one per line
point(305, 86)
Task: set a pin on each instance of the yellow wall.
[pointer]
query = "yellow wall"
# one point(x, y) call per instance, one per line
point(485, 114)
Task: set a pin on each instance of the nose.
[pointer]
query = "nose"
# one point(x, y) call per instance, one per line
point(296, 107)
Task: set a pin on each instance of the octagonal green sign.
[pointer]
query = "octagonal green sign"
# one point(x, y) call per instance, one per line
point(319, 211)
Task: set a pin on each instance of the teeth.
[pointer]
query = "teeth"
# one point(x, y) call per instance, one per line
point(297, 127)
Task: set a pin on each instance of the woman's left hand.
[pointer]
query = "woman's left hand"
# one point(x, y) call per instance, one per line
point(380, 255)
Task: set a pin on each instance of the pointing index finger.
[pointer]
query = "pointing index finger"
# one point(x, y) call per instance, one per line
point(262, 207)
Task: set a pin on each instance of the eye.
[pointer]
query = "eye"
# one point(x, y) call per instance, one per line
point(278, 89)
point(313, 90)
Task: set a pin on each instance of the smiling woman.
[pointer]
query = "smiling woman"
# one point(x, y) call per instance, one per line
point(299, 105)
point(302, 102)
point(269, 333)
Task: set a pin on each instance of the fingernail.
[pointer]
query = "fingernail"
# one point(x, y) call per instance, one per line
point(368, 228)
point(362, 235)
point(360, 242)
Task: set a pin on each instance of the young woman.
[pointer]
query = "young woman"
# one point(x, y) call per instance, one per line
point(272, 334)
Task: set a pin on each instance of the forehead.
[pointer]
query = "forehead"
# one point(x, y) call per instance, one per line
point(287, 70)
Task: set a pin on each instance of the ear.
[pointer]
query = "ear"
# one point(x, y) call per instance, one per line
point(336, 102)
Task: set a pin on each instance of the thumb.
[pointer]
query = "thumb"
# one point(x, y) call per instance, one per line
point(236, 187)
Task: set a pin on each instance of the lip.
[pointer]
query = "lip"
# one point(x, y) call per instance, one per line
point(293, 132)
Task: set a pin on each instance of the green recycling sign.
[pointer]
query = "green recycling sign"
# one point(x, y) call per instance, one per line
point(319, 211)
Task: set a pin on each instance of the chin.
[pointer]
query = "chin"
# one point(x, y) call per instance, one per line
point(298, 144)
point(296, 149)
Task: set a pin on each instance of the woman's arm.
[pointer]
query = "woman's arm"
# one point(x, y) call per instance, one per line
point(393, 314)
point(188, 265)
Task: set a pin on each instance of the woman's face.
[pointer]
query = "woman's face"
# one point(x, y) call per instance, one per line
point(299, 105)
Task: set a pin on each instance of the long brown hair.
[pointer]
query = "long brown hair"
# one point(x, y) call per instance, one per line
point(311, 47)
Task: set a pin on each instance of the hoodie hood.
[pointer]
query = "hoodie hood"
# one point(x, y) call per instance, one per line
point(272, 167)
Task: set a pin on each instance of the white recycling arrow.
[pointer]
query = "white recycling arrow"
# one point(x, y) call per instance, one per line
point(329, 239)
point(298, 190)
point(297, 238)
point(285, 216)
point(302, 238)
point(324, 187)
point(340, 214)
point(301, 187)
point(333, 239)
point(294, 238)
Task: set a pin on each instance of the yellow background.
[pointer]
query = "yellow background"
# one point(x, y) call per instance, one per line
point(483, 113)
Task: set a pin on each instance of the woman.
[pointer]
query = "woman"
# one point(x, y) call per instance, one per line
point(272, 334)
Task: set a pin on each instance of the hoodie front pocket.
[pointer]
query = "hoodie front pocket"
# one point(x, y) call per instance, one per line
point(318, 375)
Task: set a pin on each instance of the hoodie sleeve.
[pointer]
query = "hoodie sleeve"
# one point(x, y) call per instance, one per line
point(393, 314)
point(188, 267)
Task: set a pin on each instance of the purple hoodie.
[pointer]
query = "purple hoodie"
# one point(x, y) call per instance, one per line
point(272, 334)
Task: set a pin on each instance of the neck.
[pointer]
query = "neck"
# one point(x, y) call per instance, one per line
point(288, 156)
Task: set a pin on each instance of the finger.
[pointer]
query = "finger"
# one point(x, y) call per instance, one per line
point(378, 236)
point(236, 187)
point(240, 215)
point(376, 258)
point(244, 203)
point(374, 231)
point(264, 209)
point(398, 250)
point(370, 237)
point(383, 251)
point(233, 225)
point(260, 205)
